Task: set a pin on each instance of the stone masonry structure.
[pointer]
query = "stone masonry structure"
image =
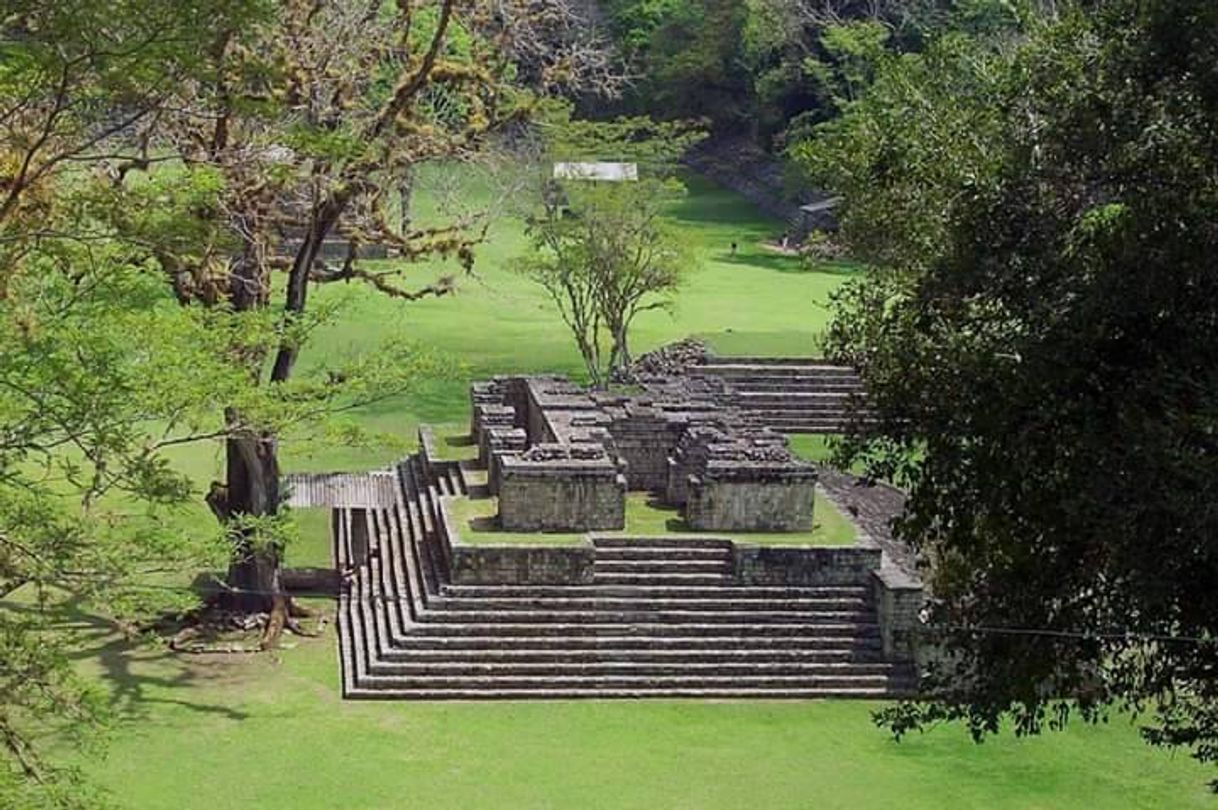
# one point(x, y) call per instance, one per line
point(424, 614)
point(562, 459)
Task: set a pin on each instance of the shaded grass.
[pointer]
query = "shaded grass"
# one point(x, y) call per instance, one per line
point(313, 549)
point(477, 523)
point(453, 442)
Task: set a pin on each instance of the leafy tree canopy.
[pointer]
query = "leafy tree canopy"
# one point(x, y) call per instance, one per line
point(1040, 344)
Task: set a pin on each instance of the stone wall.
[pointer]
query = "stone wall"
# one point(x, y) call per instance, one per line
point(644, 437)
point(512, 565)
point(899, 599)
point(497, 444)
point(560, 493)
point(789, 565)
point(569, 454)
point(751, 498)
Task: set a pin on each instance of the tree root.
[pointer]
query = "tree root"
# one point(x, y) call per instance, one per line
point(204, 631)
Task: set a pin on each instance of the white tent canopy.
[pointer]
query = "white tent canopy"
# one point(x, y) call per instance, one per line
point(611, 172)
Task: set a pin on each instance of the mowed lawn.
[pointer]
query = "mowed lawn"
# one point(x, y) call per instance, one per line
point(272, 732)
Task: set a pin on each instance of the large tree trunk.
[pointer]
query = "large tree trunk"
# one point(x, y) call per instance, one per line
point(252, 461)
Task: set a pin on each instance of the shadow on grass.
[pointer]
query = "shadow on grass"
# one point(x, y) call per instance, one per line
point(131, 670)
point(782, 263)
point(769, 261)
point(484, 524)
point(459, 441)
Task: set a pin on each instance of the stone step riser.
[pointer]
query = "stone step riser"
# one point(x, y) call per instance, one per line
point(692, 605)
point(749, 396)
point(800, 415)
point(661, 579)
point(507, 630)
point(777, 370)
point(661, 543)
point(811, 430)
point(484, 656)
point(359, 693)
point(813, 617)
point(626, 683)
point(660, 554)
point(803, 382)
point(653, 592)
point(795, 420)
point(720, 567)
point(708, 643)
point(778, 407)
point(766, 385)
point(645, 669)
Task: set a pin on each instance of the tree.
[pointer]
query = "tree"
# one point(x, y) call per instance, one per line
point(1038, 341)
point(605, 251)
point(99, 373)
point(603, 259)
point(152, 156)
point(304, 124)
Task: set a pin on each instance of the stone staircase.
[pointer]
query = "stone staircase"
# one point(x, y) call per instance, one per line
point(661, 618)
point(791, 395)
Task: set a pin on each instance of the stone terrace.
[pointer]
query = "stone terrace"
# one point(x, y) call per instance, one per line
point(423, 616)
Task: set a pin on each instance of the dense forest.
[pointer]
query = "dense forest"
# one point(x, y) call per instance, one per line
point(775, 69)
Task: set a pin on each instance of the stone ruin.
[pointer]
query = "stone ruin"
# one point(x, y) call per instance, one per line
point(562, 458)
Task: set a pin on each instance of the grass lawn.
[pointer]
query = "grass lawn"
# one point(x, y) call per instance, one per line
point(476, 521)
point(453, 442)
point(271, 731)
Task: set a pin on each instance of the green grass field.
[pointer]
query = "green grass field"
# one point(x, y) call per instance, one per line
point(476, 521)
point(271, 731)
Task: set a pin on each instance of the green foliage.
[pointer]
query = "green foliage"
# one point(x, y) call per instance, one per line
point(655, 146)
point(852, 51)
point(687, 56)
point(1040, 347)
point(605, 256)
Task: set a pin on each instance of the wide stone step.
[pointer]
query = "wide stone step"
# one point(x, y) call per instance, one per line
point(656, 603)
point(793, 414)
point(660, 553)
point(777, 404)
point(805, 397)
point(361, 692)
point(687, 629)
point(766, 360)
point(659, 543)
point(465, 682)
point(631, 669)
point(644, 615)
point(662, 566)
point(662, 655)
point(647, 578)
point(776, 370)
point(710, 643)
point(762, 385)
point(644, 591)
